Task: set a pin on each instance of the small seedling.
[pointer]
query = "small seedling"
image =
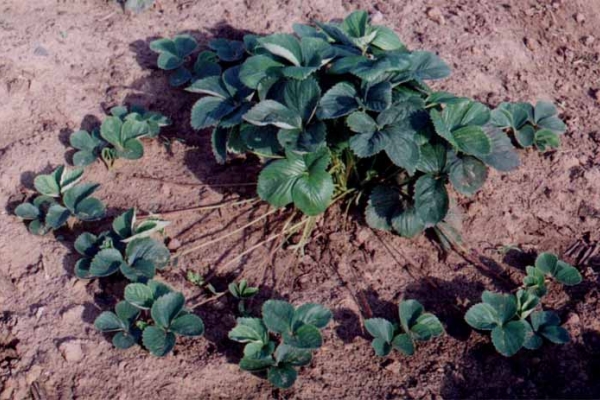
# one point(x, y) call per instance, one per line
point(539, 125)
point(242, 292)
point(60, 197)
point(415, 325)
point(118, 136)
point(505, 315)
point(128, 248)
point(153, 312)
point(299, 330)
point(136, 6)
point(548, 265)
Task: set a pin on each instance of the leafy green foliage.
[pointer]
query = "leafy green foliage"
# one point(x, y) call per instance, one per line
point(514, 320)
point(342, 108)
point(415, 325)
point(537, 125)
point(299, 332)
point(118, 137)
point(242, 292)
point(127, 248)
point(60, 197)
point(153, 313)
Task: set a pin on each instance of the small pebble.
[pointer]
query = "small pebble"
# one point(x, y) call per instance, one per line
point(435, 14)
point(588, 40)
point(71, 351)
point(174, 244)
point(580, 18)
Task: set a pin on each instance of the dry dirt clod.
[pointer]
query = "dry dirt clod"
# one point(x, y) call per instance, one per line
point(435, 14)
point(71, 351)
point(174, 244)
point(580, 18)
point(588, 40)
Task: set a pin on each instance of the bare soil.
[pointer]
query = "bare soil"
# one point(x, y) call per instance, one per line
point(63, 63)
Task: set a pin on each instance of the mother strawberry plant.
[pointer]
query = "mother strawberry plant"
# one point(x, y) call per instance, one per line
point(341, 110)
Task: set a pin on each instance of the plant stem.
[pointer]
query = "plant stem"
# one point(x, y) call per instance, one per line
point(202, 245)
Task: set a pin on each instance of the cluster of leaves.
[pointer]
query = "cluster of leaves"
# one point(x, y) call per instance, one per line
point(537, 125)
point(60, 197)
point(242, 292)
point(118, 137)
point(300, 336)
point(339, 107)
point(415, 325)
point(513, 320)
point(127, 248)
point(152, 312)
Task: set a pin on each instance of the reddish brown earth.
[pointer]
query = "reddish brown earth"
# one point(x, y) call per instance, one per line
point(64, 63)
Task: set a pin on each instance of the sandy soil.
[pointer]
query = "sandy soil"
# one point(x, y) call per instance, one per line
point(63, 63)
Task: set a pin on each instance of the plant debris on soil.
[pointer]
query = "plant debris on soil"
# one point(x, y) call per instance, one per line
point(64, 65)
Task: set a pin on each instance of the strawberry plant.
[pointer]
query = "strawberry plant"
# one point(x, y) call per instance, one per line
point(343, 111)
point(61, 196)
point(415, 325)
point(277, 360)
point(118, 136)
point(242, 292)
point(152, 312)
point(537, 125)
point(127, 248)
point(506, 315)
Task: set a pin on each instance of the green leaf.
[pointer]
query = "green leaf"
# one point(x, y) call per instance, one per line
point(69, 178)
point(308, 139)
point(408, 223)
point(82, 268)
point(218, 141)
point(290, 355)
point(302, 97)
point(409, 311)
point(426, 327)
point(431, 200)
point(77, 194)
point(148, 249)
point(472, 140)
point(282, 376)
point(83, 140)
point(378, 97)
point(123, 224)
point(106, 262)
point(110, 130)
point(565, 273)
point(311, 314)
point(187, 325)
point(283, 45)
point(556, 334)
point(180, 77)
point(380, 328)
point(140, 295)
point(300, 178)
point(212, 86)
point(503, 156)
point(270, 112)
point(257, 68)
point(254, 364)
point(424, 66)
point(338, 101)
point(545, 117)
point(47, 185)
point(546, 139)
point(361, 122)
point(382, 348)
point(547, 263)
point(165, 309)
point(356, 23)
point(508, 339)
point(533, 341)
point(383, 206)
point(37, 227)
point(505, 305)
point(123, 340)
point(526, 302)
point(227, 50)
point(262, 140)
point(525, 136)
point(27, 211)
point(467, 175)
point(127, 312)
point(432, 158)
point(304, 337)
point(83, 158)
point(404, 343)
point(249, 330)
point(158, 341)
point(57, 216)
point(235, 87)
point(108, 322)
point(459, 115)
point(208, 111)
point(90, 209)
point(386, 39)
point(482, 316)
point(278, 315)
